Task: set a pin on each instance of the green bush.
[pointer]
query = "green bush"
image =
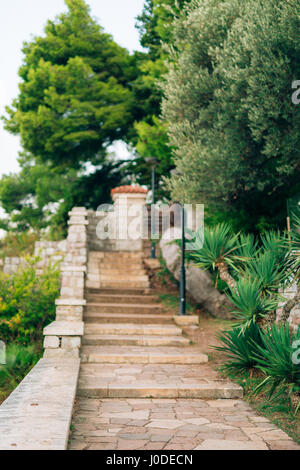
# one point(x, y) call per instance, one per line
point(19, 361)
point(27, 302)
point(18, 244)
point(240, 346)
point(276, 359)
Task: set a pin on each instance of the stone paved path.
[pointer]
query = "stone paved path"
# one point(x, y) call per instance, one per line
point(143, 386)
point(155, 381)
point(167, 424)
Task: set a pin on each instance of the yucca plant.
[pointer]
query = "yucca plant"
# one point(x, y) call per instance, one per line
point(247, 247)
point(219, 250)
point(293, 246)
point(267, 271)
point(240, 346)
point(295, 233)
point(277, 358)
point(250, 306)
point(254, 271)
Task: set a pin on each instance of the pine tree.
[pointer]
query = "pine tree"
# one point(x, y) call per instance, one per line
point(74, 96)
point(75, 100)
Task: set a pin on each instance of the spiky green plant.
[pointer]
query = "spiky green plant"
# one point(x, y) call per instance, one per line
point(278, 359)
point(218, 250)
point(247, 247)
point(250, 306)
point(239, 347)
point(267, 271)
point(219, 244)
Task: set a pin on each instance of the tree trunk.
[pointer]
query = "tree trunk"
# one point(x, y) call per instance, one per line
point(288, 307)
point(225, 276)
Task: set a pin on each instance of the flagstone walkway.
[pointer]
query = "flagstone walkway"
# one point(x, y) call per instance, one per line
point(142, 385)
point(173, 424)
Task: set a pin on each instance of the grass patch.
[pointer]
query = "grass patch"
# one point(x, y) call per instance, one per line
point(171, 302)
point(19, 361)
point(277, 411)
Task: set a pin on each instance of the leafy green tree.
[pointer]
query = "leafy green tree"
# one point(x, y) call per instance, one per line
point(74, 99)
point(41, 196)
point(155, 25)
point(228, 105)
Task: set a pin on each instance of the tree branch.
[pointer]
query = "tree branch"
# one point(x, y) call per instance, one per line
point(225, 276)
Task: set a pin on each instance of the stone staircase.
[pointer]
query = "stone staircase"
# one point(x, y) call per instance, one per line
point(132, 349)
point(138, 334)
point(123, 270)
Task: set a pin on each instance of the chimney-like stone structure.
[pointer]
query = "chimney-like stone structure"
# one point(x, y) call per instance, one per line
point(129, 212)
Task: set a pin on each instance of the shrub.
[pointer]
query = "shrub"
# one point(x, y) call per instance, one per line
point(240, 347)
point(18, 244)
point(275, 358)
point(19, 361)
point(27, 302)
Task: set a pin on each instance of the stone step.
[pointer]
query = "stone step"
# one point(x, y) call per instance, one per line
point(114, 258)
point(114, 271)
point(140, 355)
point(119, 291)
point(123, 278)
point(122, 299)
point(121, 262)
point(100, 317)
point(99, 245)
point(131, 329)
point(116, 284)
point(95, 388)
point(124, 254)
point(154, 381)
point(123, 308)
point(134, 340)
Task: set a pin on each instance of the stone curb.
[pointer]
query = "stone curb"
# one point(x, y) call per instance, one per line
point(37, 415)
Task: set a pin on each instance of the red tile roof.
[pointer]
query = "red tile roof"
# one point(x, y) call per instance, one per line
point(129, 189)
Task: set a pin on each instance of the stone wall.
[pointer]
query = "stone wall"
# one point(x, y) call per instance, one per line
point(11, 265)
point(54, 251)
point(44, 249)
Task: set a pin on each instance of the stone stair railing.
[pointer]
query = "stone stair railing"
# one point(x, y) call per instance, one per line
point(63, 336)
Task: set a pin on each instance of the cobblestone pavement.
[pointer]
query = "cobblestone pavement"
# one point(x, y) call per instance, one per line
point(173, 424)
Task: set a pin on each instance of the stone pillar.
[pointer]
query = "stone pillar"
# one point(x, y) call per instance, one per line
point(129, 209)
point(63, 337)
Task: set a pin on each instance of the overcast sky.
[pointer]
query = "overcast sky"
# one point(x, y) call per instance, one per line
point(22, 19)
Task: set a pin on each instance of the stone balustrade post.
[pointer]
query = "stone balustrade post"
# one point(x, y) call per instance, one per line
point(63, 337)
